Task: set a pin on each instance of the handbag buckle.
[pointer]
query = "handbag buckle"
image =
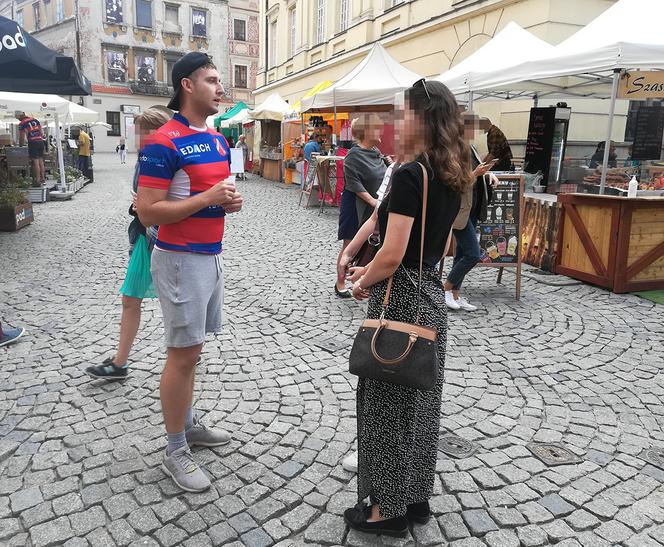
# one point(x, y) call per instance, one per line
point(374, 240)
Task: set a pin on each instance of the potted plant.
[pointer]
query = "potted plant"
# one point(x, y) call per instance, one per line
point(37, 193)
point(15, 209)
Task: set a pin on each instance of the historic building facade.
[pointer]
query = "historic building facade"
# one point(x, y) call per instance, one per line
point(127, 49)
point(308, 41)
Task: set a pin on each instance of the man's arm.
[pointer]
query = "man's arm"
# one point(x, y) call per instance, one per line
point(21, 137)
point(154, 208)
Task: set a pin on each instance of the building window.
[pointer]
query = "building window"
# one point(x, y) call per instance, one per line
point(273, 44)
point(198, 22)
point(19, 17)
point(59, 10)
point(144, 13)
point(392, 3)
point(146, 67)
point(47, 4)
point(170, 62)
point(113, 11)
point(240, 30)
point(320, 22)
point(116, 67)
point(344, 14)
point(37, 15)
point(240, 79)
point(171, 18)
point(113, 119)
point(292, 31)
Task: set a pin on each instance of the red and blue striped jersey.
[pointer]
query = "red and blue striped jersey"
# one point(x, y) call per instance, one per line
point(32, 128)
point(186, 161)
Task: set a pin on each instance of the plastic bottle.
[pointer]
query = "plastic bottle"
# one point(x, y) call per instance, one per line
point(633, 187)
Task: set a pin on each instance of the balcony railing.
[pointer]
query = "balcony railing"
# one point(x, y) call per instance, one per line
point(156, 89)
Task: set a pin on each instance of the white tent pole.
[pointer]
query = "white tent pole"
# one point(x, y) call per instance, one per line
point(470, 101)
point(607, 145)
point(334, 129)
point(61, 160)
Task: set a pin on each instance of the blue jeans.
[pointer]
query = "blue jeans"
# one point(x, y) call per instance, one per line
point(83, 164)
point(467, 254)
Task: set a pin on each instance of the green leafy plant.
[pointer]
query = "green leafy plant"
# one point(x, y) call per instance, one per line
point(22, 182)
point(12, 197)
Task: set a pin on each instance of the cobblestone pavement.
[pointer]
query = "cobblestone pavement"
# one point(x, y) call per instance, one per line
point(79, 459)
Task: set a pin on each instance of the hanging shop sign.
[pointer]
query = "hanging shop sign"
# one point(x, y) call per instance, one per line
point(641, 85)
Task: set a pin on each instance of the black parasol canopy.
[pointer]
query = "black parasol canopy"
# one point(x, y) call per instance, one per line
point(28, 66)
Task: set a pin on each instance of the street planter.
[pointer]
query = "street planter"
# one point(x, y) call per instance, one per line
point(15, 218)
point(38, 194)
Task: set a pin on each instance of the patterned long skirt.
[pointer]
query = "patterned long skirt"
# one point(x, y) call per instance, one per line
point(397, 426)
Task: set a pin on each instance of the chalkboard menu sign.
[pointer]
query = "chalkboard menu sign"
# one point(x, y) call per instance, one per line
point(648, 133)
point(500, 233)
point(540, 141)
point(312, 170)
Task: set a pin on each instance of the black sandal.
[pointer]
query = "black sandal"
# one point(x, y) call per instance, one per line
point(357, 518)
point(343, 294)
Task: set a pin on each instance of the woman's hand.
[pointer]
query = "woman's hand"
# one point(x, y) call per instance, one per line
point(356, 272)
point(343, 265)
point(359, 293)
point(482, 169)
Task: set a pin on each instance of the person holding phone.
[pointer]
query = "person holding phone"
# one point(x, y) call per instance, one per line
point(473, 207)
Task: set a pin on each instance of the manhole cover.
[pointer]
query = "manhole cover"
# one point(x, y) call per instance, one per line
point(654, 456)
point(553, 453)
point(455, 446)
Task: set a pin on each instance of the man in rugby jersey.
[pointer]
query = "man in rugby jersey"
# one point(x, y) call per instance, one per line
point(31, 129)
point(183, 187)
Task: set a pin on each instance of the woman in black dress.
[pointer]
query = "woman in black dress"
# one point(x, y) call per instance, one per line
point(364, 168)
point(397, 426)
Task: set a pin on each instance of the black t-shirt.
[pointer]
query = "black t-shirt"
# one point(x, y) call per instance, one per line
point(406, 199)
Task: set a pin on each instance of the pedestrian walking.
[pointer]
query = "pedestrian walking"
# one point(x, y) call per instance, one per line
point(122, 150)
point(10, 335)
point(364, 169)
point(83, 152)
point(397, 426)
point(137, 284)
point(242, 144)
point(30, 129)
point(184, 187)
point(474, 204)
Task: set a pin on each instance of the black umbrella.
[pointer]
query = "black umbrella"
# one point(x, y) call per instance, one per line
point(28, 66)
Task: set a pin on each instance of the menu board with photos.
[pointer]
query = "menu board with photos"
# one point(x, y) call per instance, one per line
point(499, 234)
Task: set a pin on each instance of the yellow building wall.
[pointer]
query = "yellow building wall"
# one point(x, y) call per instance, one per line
point(430, 49)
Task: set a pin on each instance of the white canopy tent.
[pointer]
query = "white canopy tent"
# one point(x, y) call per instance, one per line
point(239, 118)
point(81, 114)
point(42, 106)
point(512, 45)
point(627, 36)
point(375, 81)
point(272, 108)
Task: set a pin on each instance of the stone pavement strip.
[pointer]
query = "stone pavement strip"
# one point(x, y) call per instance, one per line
point(80, 459)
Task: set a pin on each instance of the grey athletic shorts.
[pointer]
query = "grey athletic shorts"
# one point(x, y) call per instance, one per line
point(190, 288)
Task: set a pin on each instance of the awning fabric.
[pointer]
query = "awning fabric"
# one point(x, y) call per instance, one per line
point(272, 108)
point(375, 81)
point(230, 112)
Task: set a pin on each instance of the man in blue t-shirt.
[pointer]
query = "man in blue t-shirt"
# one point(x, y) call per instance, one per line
point(313, 146)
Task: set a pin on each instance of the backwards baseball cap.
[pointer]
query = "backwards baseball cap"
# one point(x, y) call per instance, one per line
point(183, 68)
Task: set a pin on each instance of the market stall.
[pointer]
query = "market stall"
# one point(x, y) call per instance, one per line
point(602, 60)
point(371, 86)
point(270, 114)
point(224, 124)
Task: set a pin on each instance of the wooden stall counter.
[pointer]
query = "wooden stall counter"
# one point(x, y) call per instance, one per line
point(614, 242)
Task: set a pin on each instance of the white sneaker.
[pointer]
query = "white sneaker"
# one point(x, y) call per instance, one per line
point(349, 463)
point(451, 302)
point(184, 471)
point(465, 305)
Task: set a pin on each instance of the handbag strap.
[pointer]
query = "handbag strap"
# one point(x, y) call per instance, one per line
point(425, 198)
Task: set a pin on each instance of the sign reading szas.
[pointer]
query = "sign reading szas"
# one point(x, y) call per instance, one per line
point(641, 85)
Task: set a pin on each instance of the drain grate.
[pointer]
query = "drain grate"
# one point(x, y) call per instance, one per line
point(553, 453)
point(654, 456)
point(456, 447)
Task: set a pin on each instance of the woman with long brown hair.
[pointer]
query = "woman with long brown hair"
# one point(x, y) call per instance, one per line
point(397, 426)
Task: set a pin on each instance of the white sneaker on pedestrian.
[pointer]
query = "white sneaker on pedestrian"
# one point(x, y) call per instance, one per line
point(184, 471)
point(349, 463)
point(450, 301)
point(201, 435)
point(465, 305)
